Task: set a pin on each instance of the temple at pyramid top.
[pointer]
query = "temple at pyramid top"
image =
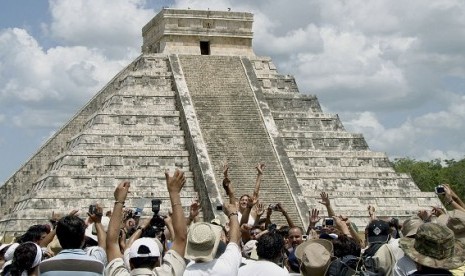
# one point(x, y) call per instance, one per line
point(196, 97)
point(197, 32)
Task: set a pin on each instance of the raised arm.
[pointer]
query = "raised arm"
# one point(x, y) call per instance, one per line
point(450, 201)
point(260, 167)
point(230, 210)
point(227, 186)
point(174, 184)
point(327, 203)
point(454, 196)
point(313, 219)
point(286, 215)
point(96, 218)
point(194, 211)
point(120, 194)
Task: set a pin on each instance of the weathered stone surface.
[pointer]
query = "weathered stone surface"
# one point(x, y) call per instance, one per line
point(173, 107)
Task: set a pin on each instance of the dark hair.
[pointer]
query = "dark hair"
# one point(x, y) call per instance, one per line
point(344, 246)
point(244, 195)
point(284, 231)
point(23, 258)
point(70, 232)
point(143, 262)
point(270, 246)
point(34, 233)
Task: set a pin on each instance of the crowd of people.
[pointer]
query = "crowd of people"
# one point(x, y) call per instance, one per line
point(247, 242)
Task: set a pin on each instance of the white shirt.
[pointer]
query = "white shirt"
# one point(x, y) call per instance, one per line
point(262, 268)
point(227, 264)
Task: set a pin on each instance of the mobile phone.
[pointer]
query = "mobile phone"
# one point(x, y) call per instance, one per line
point(440, 190)
point(329, 222)
point(92, 209)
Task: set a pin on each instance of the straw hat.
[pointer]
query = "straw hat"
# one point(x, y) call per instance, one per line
point(202, 241)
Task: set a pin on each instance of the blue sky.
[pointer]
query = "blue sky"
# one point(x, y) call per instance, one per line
point(393, 70)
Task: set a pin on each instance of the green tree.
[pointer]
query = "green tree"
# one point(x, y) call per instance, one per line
point(429, 174)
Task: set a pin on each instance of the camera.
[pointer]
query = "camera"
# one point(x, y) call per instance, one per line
point(92, 209)
point(329, 222)
point(273, 207)
point(219, 207)
point(440, 190)
point(156, 205)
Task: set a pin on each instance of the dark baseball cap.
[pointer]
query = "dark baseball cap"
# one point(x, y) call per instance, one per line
point(378, 231)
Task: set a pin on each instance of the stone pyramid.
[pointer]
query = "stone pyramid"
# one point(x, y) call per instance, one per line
point(195, 97)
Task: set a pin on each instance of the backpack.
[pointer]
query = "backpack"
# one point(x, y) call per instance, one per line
point(352, 265)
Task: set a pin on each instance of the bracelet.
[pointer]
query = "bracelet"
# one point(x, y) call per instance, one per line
point(177, 203)
point(232, 214)
point(120, 202)
point(449, 202)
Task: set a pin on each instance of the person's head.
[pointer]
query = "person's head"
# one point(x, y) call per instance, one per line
point(344, 245)
point(202, 241)
point(243, 201)
point(70, 232)
point(395, 227)
point(254, 231)
point(295, 236)
point(27, 257)
point(314, 256)
point(35, 233)
point(434, 246)
point(377, 231)
point(270, 247)
point(262, 224)
point(144, 253)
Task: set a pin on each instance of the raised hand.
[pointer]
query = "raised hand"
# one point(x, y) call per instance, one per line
point(96, 217)
point(314, 216)
point(194, 209)
point(176, 182)
point(225, 169)
point(260, 167)
point(325, 199)
point(121, 191)
point(259, 209)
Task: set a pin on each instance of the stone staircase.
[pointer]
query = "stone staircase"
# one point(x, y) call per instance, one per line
point(233, 128)
point(134, 133)
point(325, 157)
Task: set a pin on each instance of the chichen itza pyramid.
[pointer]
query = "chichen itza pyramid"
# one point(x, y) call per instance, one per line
point(196, 96)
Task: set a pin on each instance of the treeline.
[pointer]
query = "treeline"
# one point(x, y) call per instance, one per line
point(429, 174)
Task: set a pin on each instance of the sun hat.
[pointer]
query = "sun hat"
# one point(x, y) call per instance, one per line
point(314, 256)
point(135, 252)
point(378, 231)
point(410, 226)
point(434, 246)
point(202, 241)
point(456, 223)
